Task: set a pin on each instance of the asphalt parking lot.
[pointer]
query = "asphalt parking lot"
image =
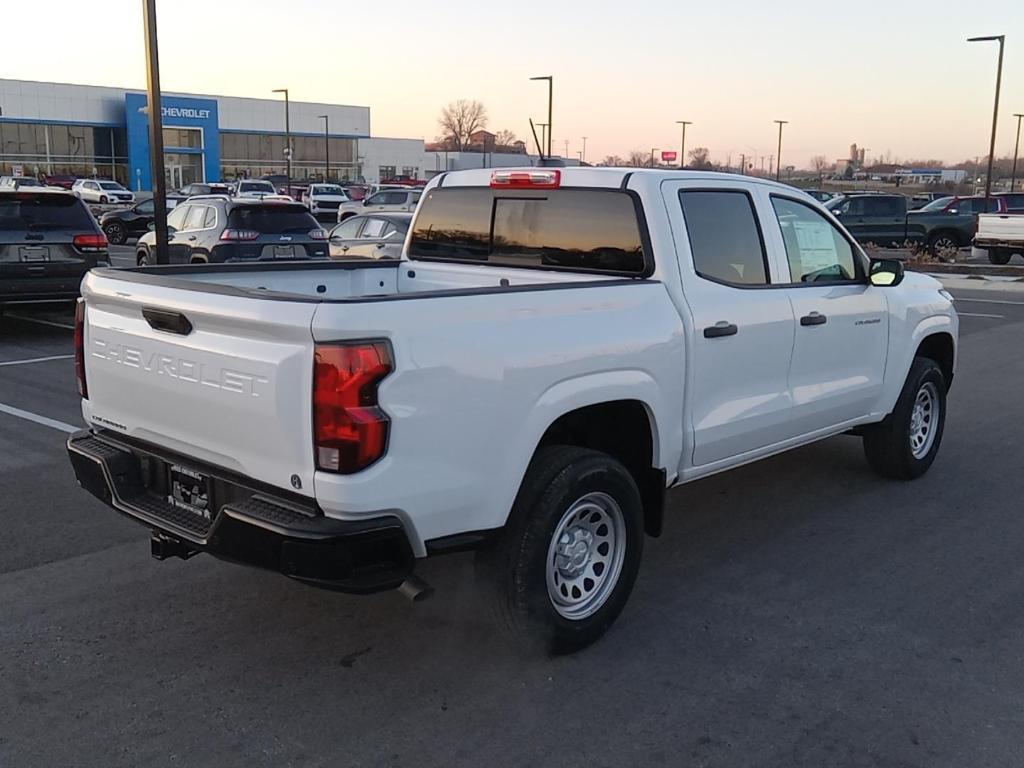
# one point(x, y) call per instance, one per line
point(797, 612)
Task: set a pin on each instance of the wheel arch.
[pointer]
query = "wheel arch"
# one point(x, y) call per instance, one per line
point(940, 347)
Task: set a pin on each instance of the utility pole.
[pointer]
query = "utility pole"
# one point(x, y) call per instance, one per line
point(743, 165)
point(287, 140)
point(682, 143)
point(995, 109)
point(770, 159)
point(551, 89)
point(543, 138)
point(327, 148)
point(779, 155)
point(653, 150)
point(1016, 147)
point(156, 132)
point(583, 154)
point(566, 149)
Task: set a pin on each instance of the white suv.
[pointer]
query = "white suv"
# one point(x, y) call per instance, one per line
point(102, 191)
point(387, 200)
point(254, 188)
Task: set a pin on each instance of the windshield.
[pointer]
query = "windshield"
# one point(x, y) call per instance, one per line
point(43, 211)
point(937, 205)
point(273, 219)
point(328, 189)
point(110, 185)
point(256, 186)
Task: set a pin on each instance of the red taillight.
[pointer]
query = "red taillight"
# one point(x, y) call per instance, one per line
point(83, 390)
point(239, 234)
point(318, 234)
point(350, 431)
point(90, 242)
point(526, 179)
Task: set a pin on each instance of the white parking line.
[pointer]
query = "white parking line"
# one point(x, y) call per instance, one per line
point(978, 314)
point(10, 410)
point(42, 322)
point(990, 301)
point(36, 360)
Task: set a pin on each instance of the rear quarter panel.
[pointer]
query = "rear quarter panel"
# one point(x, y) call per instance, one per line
point(479, 378)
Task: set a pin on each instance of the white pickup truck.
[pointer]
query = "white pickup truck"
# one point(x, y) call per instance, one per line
point(1001, 235)
point(554, 350)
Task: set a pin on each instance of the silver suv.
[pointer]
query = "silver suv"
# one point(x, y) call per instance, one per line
point(385, 201)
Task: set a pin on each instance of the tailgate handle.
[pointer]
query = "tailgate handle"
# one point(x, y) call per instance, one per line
point(164, 320)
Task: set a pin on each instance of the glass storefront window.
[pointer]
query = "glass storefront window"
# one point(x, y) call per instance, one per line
point(185, 138)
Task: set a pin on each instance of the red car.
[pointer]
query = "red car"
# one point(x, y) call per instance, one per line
point(60, 180)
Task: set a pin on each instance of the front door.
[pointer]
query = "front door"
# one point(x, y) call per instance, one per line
point(842, 322)
point(743, 328)
point(173, 176)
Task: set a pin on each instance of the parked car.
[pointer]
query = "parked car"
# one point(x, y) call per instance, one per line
point(554, 350)
point(279, 180)
point(395, 200)
point(219, 229)
point(254, 188)
point(22, 182)
point(48, 241)
point(1001, 235)
point(1014, 201)
point(118, 226)
point(64, 181)
point(324, 199)
point(922, 199)
point(371, 236)
point(102, 191)
point(943, 226)
point(820, 195)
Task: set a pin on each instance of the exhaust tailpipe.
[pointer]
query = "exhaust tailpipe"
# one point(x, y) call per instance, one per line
point(415, 588)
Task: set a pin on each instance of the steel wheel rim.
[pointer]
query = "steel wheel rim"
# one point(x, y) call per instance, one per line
point(585, 556)
point(924, 420)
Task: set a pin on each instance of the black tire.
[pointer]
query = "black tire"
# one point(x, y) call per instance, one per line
point(999, 255)
point(142, 257)
point(939, 242)
point(558, 480)
point(103, 200)
point(888, 444)
point(115, 233)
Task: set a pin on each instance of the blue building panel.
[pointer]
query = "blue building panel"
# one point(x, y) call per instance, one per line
point(178, 112)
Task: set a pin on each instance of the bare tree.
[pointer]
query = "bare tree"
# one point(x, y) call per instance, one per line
point(699, 158)
point(820, 164)
point(505, 138)
point(460, 119)
point(638, 159)
point(612, 161)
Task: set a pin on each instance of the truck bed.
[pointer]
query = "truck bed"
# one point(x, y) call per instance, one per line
point(1000, 229)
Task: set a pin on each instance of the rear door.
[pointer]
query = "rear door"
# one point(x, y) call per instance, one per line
point(230, 385)
point(888, 217)
point(743, 326)
point(344, 236)
point(842, 322)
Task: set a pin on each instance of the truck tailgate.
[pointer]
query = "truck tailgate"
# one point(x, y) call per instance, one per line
point(1001, 227)
point(223, 379)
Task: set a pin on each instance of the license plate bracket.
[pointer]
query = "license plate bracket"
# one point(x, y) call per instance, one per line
point(34, 253)
point(284, 251)
point(190, 491)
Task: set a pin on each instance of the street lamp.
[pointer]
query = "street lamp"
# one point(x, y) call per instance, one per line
point(778, 157)
point(995, 109)
point(653, 150)
point(287, 139)
point(543, 138)
point(682, 144)
point(327, 147)
point(1016, 146)
point(551, 88)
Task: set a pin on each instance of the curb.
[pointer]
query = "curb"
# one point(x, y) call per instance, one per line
point(972, 271)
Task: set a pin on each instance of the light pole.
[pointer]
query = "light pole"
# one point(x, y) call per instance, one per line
point(995, 109)
point(1016, 146)
point(543, 138)
point(583, 153)
point(327, 147)
point(682, 143)
point(779, 155)
point(287, 139)
point(653, 150)
point(551, 89)
point(156, 132)
point(566, 149)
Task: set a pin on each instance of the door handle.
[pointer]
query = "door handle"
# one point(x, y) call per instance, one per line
point(720, 329)
point(192, 238)
point(379, 246)
point(815, 318)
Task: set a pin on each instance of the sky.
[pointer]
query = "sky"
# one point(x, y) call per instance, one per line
point(893, 76)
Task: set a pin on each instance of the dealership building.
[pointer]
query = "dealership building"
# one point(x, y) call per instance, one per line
point(85, 130)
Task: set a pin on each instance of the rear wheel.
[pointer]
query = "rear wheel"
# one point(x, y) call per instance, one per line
point(999, 256)
point(904, 445)
point(143, 258)
point(570, 553)
point(115, 233)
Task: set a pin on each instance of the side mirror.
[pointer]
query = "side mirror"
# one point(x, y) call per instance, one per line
point(366, 201)
point(886, 272)
point(951, 211)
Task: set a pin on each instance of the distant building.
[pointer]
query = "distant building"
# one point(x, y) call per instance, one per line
point(932, 175)
point(482, 141)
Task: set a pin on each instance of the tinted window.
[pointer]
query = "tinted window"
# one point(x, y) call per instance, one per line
point(347, 229)
point(43, 211)
point(274, 219)
point(817, 252)
point(938, 205)
point(211, 217)
point(560, 228)
point(724, 238)
point(379, 199)
point(146, 206)
point(884, 207)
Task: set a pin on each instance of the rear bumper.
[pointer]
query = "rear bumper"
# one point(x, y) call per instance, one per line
point(994, 242)
point(247, 524)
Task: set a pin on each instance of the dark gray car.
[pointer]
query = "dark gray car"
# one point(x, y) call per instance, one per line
point(370, 236)
point(48, 241)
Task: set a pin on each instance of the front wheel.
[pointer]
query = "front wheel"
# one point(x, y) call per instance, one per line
point(943, 246)
point(904, 445)
point(143, 258)
point(115, 233)
point(570, 553)
point(999, 256)
point(103, 200)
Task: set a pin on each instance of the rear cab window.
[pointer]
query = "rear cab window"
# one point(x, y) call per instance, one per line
point(273, 219)
point(725, 238)
point(586, 230)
